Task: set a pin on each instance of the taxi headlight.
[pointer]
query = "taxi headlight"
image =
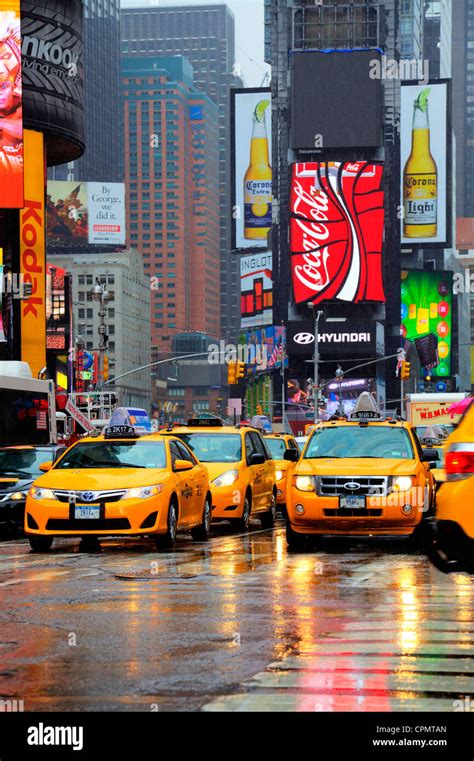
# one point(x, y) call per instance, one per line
point(38, 493)
point(226, 479)
point(143, 492)
point(17, 496)
point(403, 483)
point(279, 475)
point(305, 483)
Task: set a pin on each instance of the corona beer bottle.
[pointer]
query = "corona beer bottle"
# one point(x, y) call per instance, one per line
point(420, 178)
point(258, 180)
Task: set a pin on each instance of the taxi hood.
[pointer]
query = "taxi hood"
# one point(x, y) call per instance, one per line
point(350, 466)
point(100, 478)
point(216, 469)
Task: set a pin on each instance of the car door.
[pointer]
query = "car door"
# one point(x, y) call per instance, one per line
point(258, 474)
point(268, 470)
point(199, 481)
point(253, 472)
point(184, 486)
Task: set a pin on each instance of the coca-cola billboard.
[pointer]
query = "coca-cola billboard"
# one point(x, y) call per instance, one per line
point(336, 232)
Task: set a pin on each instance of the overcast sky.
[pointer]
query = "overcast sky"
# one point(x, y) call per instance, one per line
point(249, 31)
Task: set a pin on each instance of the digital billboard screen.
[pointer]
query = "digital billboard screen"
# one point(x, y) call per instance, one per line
point(252, 172)
point(336, 232)
point(256, 290)
point(86, 212)
point(336, 100)
point(427, 306)
point(11, 107)
point(424, 164)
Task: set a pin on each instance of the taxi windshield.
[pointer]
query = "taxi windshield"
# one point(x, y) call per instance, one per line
point(114, 454)
point(277, 448)
point(23, 462)
point(380, 442)
point(214, 447)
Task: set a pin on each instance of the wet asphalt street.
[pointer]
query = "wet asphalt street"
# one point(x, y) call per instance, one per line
point(237, 623)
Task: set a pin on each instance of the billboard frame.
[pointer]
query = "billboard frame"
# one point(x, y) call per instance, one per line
point(412, 247)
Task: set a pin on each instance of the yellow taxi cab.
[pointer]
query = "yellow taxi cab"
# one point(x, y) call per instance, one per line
point(453, 524)
point(279, 444)
point(240, 467)
point(431, 439)
point(120, 483)
point(364, 476)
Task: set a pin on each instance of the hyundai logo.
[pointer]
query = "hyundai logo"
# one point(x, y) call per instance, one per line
point(88, 496)
point(303, 338)
point(352, 486)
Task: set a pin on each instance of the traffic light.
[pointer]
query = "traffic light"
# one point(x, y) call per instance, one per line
point(240, 370)
point(232, 373)
point(105, 373)
point(406, 370)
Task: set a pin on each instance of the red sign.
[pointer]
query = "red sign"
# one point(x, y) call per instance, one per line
point(11, 107)
point(336, 232)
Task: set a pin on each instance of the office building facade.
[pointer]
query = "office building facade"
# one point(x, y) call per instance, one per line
point(172, 176)
point(205, 36)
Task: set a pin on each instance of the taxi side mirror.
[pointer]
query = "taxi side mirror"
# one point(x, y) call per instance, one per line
point(181, 465)
point(430, 455)
point(292, 455)
point(257, 459)
point(45, 466)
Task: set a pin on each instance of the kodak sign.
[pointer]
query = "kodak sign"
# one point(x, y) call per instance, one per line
point(33, 255)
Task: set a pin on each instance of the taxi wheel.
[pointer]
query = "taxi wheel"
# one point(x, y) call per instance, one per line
point(268, 519)
point(242, 524)
point(296, 542)
point(168, 539)
point(41, 543)
point(201, 533)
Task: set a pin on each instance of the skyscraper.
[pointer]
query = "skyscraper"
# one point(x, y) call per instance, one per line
point(463, 104)
point(205, 35)
point(172, 173)
point(103, 157)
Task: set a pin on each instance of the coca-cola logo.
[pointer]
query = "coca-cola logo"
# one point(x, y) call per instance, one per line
point(337, 220)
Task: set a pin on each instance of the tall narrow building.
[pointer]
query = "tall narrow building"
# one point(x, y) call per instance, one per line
point(205, 35)
point(172, 176)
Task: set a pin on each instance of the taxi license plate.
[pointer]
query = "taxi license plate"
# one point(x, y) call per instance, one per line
point(352, 502)
point(87, 513)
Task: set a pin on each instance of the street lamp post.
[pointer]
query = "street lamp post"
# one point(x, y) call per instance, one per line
point(317, 316)
point(100, 293)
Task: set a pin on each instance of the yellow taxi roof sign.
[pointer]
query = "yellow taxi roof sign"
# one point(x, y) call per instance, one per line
point(366, 408)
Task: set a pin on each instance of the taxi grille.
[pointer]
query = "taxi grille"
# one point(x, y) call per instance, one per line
point(99, 496)
point(339, 486)
point(106, 524)
point(352, 513)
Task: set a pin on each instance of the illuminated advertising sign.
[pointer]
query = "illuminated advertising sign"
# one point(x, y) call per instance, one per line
point(256, 290)
point(53, 75)
point(252, 171)
point(336, 232)
point(424, 167)
point(427, 318)
point(86, 212)
point(11, 107)
point(265, 348)
point(33, 255)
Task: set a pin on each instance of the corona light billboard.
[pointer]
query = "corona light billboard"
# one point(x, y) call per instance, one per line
point(33, 255)
point(424, 157)
point(336, 232)
point(11, 107)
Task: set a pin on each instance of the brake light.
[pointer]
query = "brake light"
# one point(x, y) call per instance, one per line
point(459, 462)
